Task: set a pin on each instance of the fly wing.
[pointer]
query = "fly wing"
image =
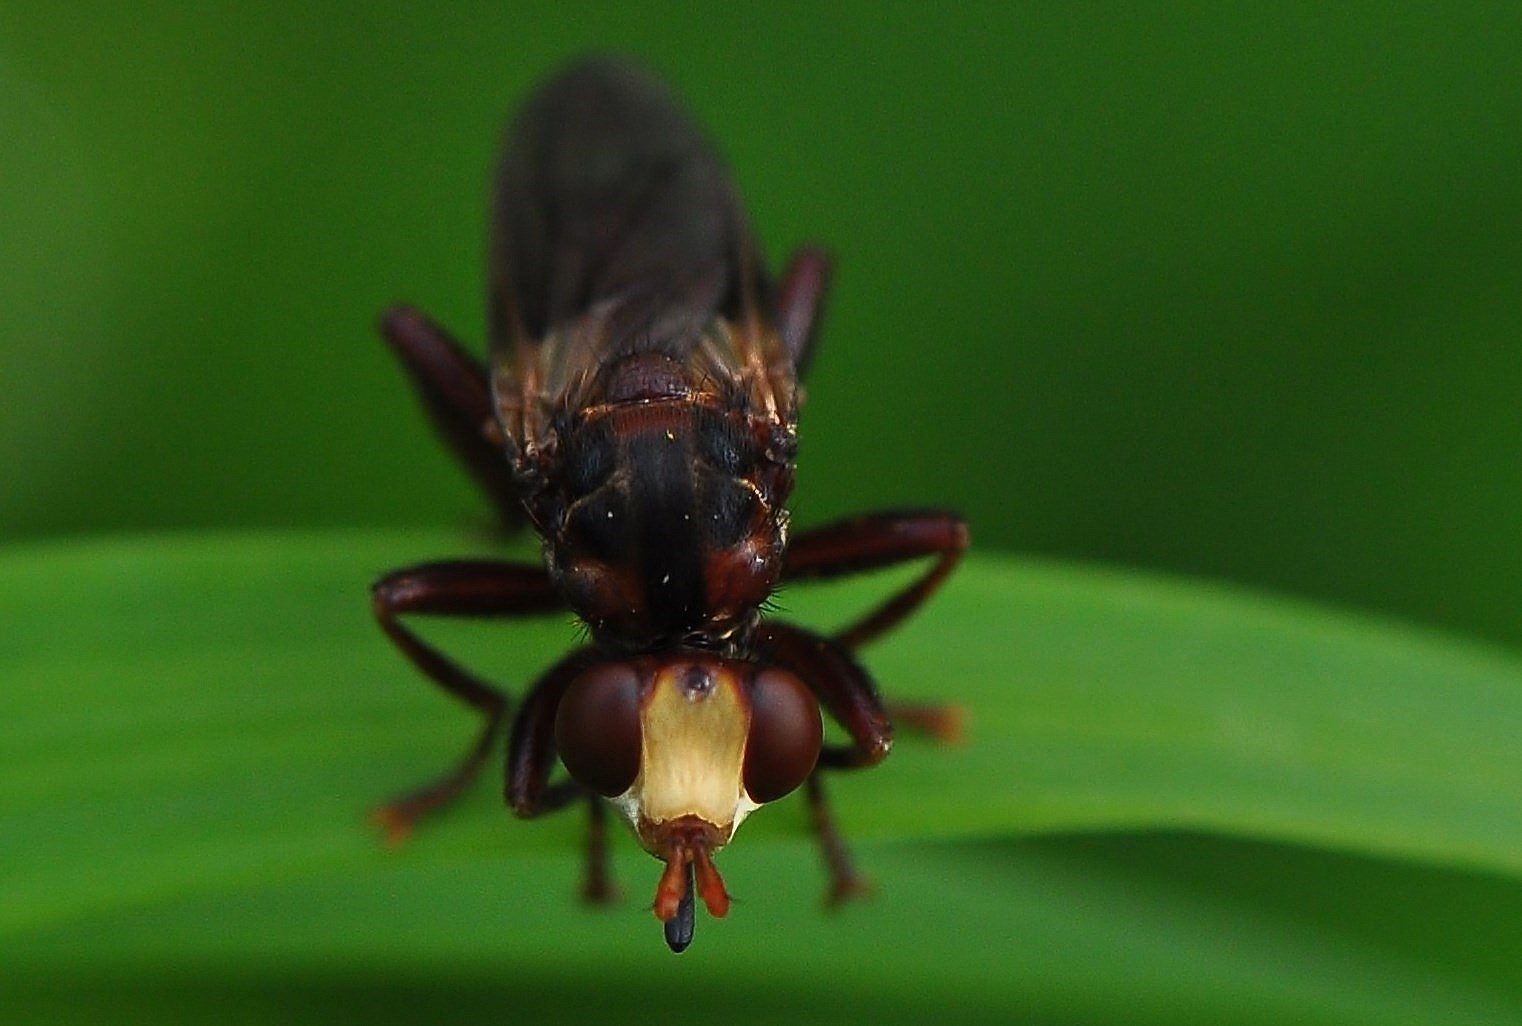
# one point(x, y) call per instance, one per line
point(617, 229)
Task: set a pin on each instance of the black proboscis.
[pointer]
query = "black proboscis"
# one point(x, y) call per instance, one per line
point(680, 927)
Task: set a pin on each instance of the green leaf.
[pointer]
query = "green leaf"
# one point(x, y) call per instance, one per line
point(192, 729)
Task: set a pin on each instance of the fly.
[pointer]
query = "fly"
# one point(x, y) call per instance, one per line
point(640, 412)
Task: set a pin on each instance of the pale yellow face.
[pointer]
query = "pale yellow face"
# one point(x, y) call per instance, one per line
point(695, 722)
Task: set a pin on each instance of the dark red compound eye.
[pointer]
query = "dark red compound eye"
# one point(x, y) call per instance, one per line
point(785, 735)
point(597, 728)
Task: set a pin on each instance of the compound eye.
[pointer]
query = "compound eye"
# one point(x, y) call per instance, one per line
point(597, 728)
point(785, 735)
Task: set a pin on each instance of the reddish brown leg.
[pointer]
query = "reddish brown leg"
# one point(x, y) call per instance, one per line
point(457, 588)
point(847, 693)
point(457, 395)
point(800, 303)
point(880, 540)
point(874, 541)
point(945, 723)
point(845, 882)
point(598, 886)
point(843, 688)
point(531, 758)
point(531, 751)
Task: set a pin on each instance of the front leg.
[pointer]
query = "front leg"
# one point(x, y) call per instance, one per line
point(454, 588)
point(846, 882)
point(531, 757)
point(846, 691)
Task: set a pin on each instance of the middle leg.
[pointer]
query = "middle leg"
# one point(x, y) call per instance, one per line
point(453, 588)
point(875, 541)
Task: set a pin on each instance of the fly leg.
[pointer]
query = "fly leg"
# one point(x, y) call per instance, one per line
point(531, 757)
point(456, 392)
point(800, 303)
point(846, 691)
point(845, 881)
point(878, 540)
point(454, 588)
point(873, 541)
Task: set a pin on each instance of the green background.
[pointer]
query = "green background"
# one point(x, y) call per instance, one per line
point(1221, 291)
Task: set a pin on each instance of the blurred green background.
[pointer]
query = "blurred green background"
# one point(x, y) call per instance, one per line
point(1220, 289)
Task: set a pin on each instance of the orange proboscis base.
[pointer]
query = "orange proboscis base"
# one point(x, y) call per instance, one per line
point(711, 885)
point(673, 885)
